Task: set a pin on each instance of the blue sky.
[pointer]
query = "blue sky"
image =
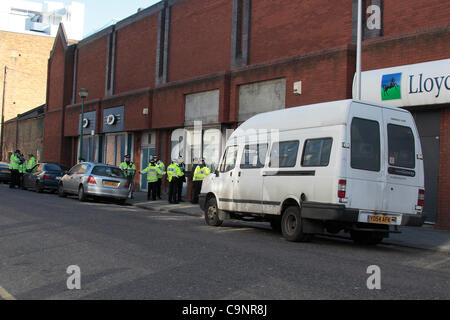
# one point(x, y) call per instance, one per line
point(99, 13)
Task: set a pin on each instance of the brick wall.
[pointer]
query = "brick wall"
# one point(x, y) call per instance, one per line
point(136, 55)
point(443, 221)
point(200, 30)
point(284, 28)
point(26, 57)
point(91, 71)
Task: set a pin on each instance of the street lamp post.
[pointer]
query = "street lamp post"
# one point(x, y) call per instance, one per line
point(83, 94)
point(3, 113)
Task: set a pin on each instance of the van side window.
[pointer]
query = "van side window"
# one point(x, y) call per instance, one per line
point(254, 156)
point(317, 152)
point(365, 145)
point(284, 154)
point(402, 148)
point(229, 159)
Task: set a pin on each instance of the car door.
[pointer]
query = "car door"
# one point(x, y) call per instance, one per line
point(69, 179)
point(248, 182)
point(224, 182)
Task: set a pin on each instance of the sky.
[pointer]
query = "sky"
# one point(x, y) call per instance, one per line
point(100, 13)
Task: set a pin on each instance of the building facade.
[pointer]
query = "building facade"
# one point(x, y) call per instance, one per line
point(175, 78)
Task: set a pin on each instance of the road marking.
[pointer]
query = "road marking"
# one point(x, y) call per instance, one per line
point(5, 295)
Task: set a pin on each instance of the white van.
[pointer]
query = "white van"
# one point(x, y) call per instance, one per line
point(345, 165)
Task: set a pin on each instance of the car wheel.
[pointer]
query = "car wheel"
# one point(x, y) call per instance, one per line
point(61, 191)
point(366, 238)
point(212, 213)
point(81, 194)
point(291, 225)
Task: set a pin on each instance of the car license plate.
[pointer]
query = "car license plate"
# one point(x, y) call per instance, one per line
point(370, 217)
point(110, 183)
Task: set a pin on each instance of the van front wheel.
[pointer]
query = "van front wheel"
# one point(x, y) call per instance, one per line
point(292, 227)
point(212, 213)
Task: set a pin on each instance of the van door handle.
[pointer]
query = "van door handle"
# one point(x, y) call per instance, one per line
point(239, 175)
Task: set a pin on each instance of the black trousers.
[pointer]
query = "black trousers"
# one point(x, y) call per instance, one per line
point(180, 188)
point(173, 190)
point(158, 188)
point(15, 179)
point(151, 192)
point(197, 190)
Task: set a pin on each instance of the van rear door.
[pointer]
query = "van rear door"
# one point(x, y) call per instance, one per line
point(404, 174)
point(365, 176)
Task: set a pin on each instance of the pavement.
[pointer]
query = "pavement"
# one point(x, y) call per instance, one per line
point(425, 237)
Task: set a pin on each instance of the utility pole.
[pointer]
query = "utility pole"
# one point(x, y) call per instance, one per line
point(3, 113)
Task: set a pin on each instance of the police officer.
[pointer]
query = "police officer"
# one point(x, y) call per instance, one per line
point(14, 164)
point(200, 173)
point(173, 172)
point(152, 172)
point(129, 169)
point(162, 168)
point(181, 179)
point(22, 169)
point(31, 163)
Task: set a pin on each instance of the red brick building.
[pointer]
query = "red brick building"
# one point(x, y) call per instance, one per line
point(153, 75)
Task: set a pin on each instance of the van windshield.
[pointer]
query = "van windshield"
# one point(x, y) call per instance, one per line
point(401, 146)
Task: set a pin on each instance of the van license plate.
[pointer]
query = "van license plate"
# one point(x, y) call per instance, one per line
point(380, 219)
point(367, 217)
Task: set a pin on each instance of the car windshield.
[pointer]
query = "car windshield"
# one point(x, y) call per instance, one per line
point(52, 167)
point(104, 171)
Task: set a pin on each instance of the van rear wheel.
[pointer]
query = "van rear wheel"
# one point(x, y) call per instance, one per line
point(212, 213)
point(292, 227)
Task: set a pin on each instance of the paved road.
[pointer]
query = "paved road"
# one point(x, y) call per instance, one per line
point(131, 253)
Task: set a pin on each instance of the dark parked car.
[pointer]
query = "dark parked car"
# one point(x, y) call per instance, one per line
point(45, 177)
point(5, 173)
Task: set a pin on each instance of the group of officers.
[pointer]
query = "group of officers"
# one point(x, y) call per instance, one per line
point(176, 176)
point(18, 166)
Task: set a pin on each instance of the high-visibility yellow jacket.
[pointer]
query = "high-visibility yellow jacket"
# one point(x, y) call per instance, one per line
point(31, 163)
point(173, 171)
point(152, 172)
point(129, 169)
point(200, 173)
point(14, 162)
point(162, 168)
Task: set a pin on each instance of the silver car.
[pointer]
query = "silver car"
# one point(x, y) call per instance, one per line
point(95, 180)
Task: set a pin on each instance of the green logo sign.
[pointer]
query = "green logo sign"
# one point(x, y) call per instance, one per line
point(391, 87)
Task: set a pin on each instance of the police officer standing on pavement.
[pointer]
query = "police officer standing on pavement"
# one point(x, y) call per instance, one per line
point(173, 172)
point(152, 172)
point(129, 169)
point(22, 169)
point(181, 179)
point(14, 164)
point(31, 163)
point(162, 168)
point(200, 173)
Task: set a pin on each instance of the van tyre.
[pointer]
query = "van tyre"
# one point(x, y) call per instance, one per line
point(366, 238)
point(292, 227)
point(81, 194)
point(212, 213)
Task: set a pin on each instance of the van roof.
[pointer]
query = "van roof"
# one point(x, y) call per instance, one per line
point(309, 116)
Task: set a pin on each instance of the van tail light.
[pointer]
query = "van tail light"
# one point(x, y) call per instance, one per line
point(47, 177)
point(342, 189)
point(421, 198)
point(91, 180)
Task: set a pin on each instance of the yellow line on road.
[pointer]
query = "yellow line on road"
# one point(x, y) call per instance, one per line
point(5, 295)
